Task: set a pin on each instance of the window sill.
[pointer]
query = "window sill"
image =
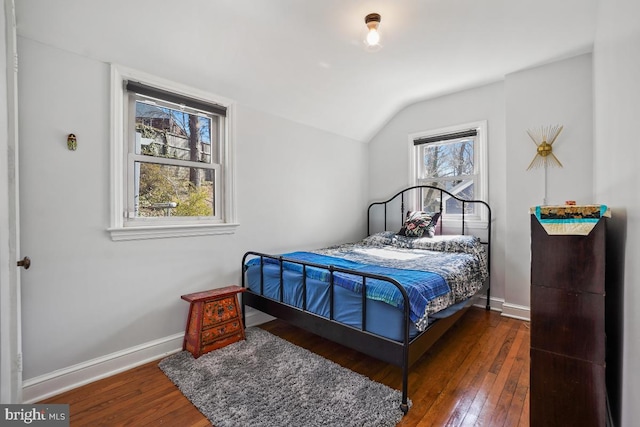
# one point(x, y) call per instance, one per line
point(473, 227)
point(469, 224)
point(161, 232)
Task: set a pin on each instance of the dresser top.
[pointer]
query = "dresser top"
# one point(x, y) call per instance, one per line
point(570, 219)
point(213, 293)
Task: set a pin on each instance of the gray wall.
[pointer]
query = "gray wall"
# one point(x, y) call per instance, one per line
point(389, 152)
point(556, 93)
point(85, 296)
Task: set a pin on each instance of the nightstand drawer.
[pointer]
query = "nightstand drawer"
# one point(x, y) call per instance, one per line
point(219, 311)
point(219, 331)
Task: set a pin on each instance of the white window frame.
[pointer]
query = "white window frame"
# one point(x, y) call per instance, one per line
point(124, 228)
point(481, 177)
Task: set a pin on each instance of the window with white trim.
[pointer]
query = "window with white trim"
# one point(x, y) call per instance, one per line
point(171, 159)
point(454, 159)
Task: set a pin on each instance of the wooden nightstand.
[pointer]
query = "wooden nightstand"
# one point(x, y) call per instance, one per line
point(214, 320)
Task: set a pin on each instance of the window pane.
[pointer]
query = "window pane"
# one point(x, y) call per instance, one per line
point(448, 159)
point(171, 133)
point(463, 192)
point(463, 189)
point(431, 199)
point(163, 190)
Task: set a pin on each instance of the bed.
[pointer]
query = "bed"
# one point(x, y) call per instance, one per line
point(419, 277)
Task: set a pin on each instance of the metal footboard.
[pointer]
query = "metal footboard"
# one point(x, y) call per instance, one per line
point(359, 339)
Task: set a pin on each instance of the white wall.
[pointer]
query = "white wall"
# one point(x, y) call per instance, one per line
point(617, 183)
point(559, 92)
point(389, 149)
point(556, 93)
point(389, 154)
point(87, 297)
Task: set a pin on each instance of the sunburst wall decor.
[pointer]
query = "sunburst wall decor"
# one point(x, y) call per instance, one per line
point(544, 137)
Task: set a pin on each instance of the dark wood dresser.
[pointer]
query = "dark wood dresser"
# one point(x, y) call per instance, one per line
point(568, 328)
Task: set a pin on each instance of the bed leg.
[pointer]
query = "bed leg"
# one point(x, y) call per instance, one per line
point(405, 386)
point(488, 299)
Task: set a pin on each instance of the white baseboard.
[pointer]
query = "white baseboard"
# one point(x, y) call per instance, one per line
point(61, 380)
point(516, 311)
point(496, 303)
point(56, 382)
point(254, 317)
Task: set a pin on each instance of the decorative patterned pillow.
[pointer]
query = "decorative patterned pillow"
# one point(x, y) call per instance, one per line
point(432, 228)
point(415, 224)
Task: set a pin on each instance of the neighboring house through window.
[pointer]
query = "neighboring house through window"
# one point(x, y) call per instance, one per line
point(171, 159)
point(454, 159)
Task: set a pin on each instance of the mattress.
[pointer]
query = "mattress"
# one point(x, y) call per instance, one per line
point(438, 273)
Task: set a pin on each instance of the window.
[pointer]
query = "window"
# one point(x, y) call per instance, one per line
point(171, 159)
point(454, 159)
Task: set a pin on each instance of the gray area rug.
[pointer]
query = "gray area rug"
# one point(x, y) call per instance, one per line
point(267, 381)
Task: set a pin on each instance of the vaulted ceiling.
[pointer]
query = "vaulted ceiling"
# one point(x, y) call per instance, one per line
point(304, 60)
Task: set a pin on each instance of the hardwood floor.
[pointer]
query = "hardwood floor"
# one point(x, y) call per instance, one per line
point(477, 374)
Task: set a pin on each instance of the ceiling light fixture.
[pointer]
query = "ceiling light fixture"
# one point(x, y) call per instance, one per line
point(373, 36)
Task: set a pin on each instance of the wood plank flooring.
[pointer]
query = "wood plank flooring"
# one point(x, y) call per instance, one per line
point(477, 374)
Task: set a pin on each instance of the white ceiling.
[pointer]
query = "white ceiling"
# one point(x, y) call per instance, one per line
point(304, 60)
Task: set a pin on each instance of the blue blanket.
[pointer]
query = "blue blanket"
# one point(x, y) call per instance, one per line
point(421, 286)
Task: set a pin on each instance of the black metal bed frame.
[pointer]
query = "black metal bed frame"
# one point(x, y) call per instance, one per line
point(402, 354)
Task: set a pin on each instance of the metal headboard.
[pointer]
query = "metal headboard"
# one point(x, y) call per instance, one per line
point(407, 193)
point(403, 195)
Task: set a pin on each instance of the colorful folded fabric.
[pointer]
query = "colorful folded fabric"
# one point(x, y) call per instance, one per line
point(570, 219)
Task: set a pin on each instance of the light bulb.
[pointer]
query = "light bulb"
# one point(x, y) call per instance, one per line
point(373, 37)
